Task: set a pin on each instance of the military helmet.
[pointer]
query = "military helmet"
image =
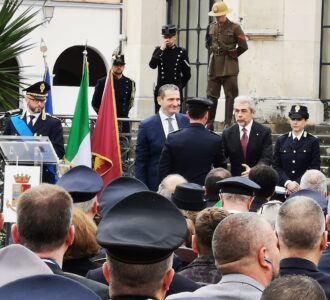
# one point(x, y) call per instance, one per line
point(219, 9)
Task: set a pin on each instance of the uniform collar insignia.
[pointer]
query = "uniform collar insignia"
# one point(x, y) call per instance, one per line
point(305, 133)
point(290, 133)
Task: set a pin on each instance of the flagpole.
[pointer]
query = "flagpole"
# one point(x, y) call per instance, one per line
point(44, 49)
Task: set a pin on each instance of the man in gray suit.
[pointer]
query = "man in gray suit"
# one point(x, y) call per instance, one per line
point(247, 261)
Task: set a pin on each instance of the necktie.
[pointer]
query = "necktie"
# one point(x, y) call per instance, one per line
point(244, 141)
point(31, 122)
point(295, 141)
point(170, 125)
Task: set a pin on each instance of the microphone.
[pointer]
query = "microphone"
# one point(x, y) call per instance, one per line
point(13, 112)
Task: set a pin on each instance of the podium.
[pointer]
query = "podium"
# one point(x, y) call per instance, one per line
point(23, 158)
point(27, 150)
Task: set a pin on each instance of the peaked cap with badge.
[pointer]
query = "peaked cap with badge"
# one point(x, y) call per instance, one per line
point(143, 228)
point(299, 112)
point(38, 91)
point(82, 183)
point(238, 185)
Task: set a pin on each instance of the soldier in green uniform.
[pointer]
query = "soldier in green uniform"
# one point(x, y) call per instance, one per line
point(226, 42)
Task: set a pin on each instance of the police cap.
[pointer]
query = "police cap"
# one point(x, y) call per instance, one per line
point(169, 30)
point(238, 185)
point(38, 91)
point(189, 196)
point(143, 228)
point(50, 287)
point(82, 183)
point(118, 60)
point(119, 189)
point(203, 102)
point(298, 112)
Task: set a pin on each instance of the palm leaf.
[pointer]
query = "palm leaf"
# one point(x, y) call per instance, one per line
point(13, 42)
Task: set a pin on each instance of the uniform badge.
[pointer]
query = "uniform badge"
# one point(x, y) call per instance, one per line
point(215, 8)
point(42, 87)
point(297, 108)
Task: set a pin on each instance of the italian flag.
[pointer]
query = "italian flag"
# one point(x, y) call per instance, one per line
point(78, 150)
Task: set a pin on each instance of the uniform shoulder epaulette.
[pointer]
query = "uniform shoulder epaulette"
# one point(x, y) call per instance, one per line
point(52, 116)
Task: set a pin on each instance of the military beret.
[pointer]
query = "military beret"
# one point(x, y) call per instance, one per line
point(38, 90)
point(118, 60)
point(237, 185)
point(317, 197)
point(82, 183)
point(119, 189)
point(298, 112)
point(200, 101)
point(50, 287)
point(189, 196)
point(143, 228)
point(169, 30)
point(19, 262)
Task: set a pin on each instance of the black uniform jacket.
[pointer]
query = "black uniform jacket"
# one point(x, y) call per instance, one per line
point(98, 288)
point(173, 66)
point(191, 152)
point(124, 93)
point(292, 159)
point(50, 127)
point(299, 266)
point(259, 149)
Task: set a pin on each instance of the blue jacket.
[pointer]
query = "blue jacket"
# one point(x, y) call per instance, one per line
point(149, 145)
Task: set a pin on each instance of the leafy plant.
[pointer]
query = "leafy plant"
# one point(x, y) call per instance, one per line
point(13, 41)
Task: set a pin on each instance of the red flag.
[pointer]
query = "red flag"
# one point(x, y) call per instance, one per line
point(105, 140)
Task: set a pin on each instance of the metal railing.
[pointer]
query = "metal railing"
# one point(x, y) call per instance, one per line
point(127, 139)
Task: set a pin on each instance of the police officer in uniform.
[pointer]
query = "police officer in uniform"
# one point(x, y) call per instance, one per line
point(139, 242)
point(226, 42)
point(172, 63)
point(296, 151)
point(35, 122)
point(124, 91)
point(192, 151)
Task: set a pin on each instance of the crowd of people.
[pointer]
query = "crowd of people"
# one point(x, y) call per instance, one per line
point(186, 226)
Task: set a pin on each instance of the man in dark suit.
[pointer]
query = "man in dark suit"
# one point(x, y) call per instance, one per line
point(300, 228)
point(192, 151)
point(35, 122)
point(44, 225)
point(153, 132)
point(246, 143)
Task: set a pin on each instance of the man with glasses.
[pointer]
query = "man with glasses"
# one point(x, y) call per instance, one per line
point(35, 122)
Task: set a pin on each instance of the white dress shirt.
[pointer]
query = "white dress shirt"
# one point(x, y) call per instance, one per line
point(248, 130)
point(164, 121)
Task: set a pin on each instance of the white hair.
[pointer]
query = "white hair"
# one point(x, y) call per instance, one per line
point(314, 180)
point(245, 99)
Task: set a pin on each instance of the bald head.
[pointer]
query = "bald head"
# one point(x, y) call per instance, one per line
point(300, 223)
point(235, 238)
